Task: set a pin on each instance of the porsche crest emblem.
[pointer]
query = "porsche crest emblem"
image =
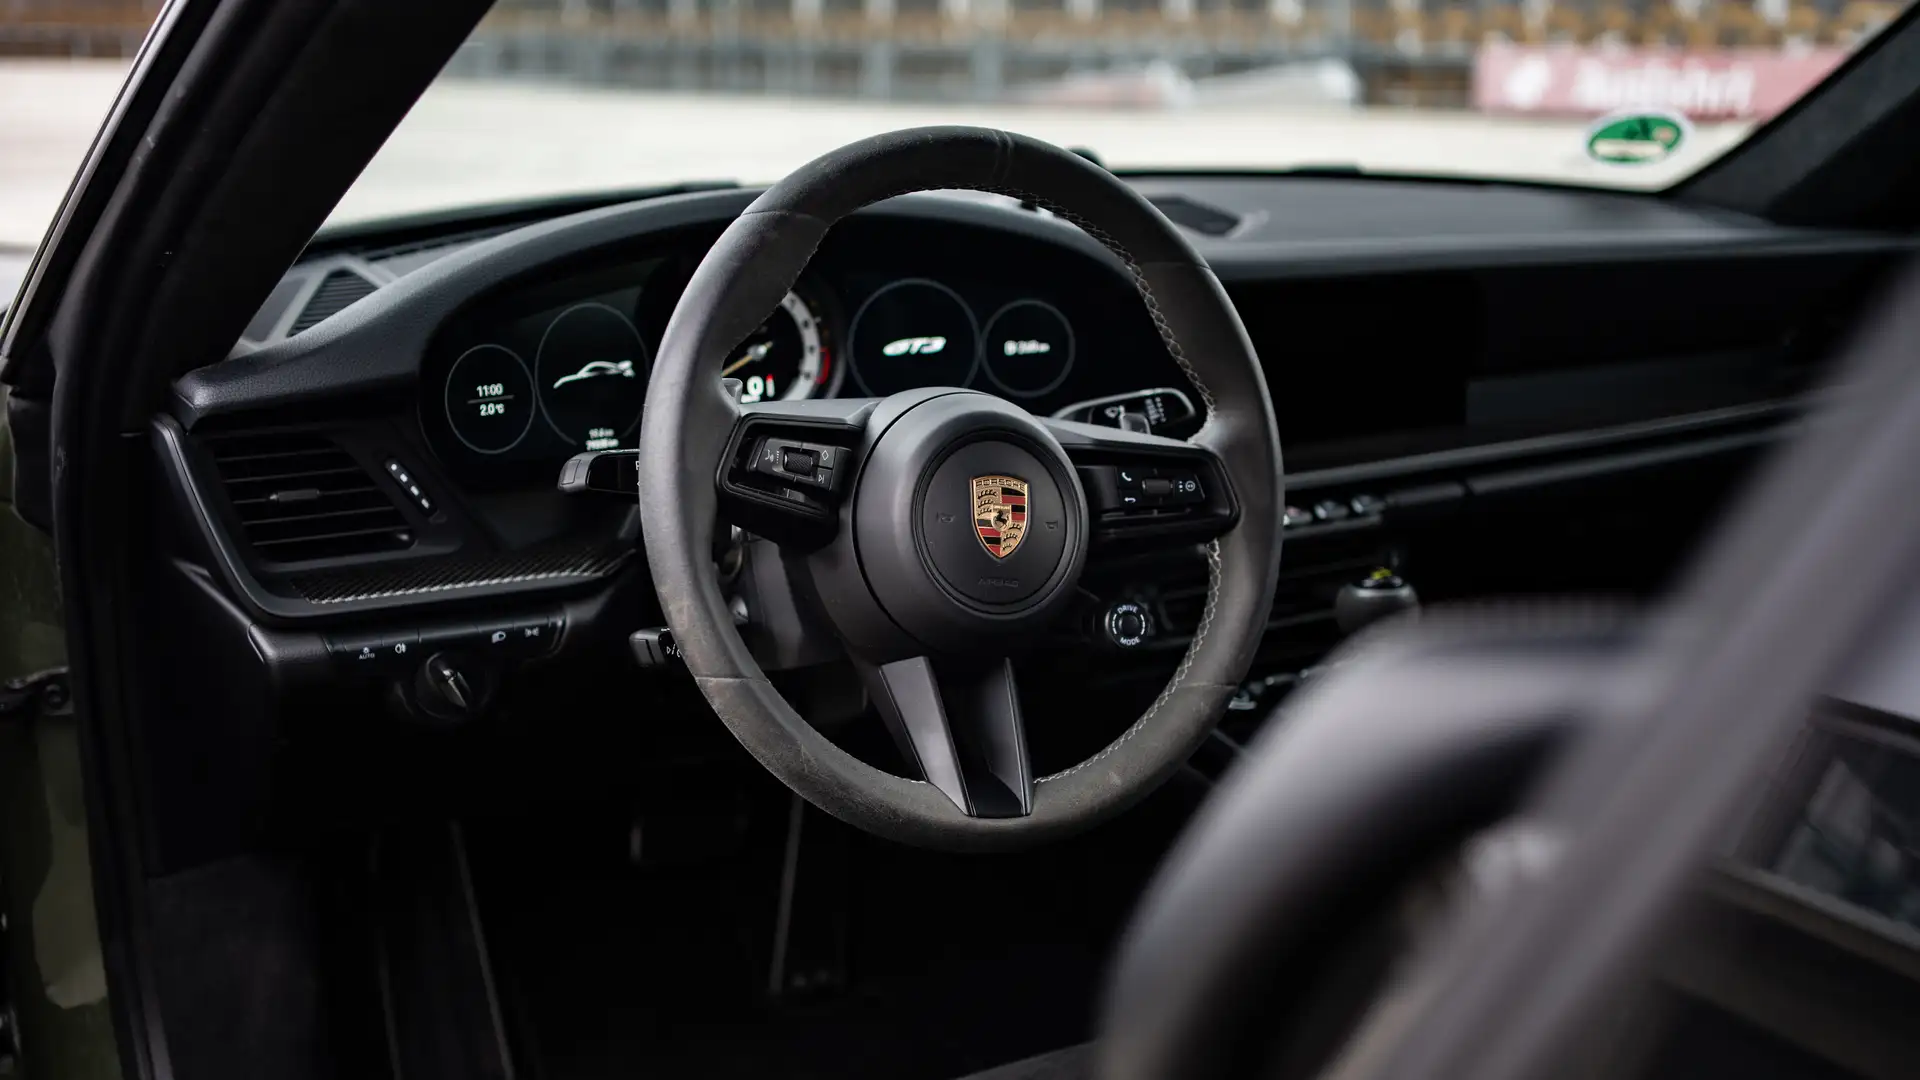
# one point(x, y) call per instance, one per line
point(999, 513)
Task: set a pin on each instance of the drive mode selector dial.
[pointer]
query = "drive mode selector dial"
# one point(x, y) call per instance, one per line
point(1127, 624)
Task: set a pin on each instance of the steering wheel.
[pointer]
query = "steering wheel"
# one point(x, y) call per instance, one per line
point(936, 531)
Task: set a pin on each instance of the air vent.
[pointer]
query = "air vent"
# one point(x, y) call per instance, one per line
point(340, 289)
point(300, 497)
point(1198, 216)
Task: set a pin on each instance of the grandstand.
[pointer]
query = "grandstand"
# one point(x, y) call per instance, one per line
point(74, 28)
point(1411, 52)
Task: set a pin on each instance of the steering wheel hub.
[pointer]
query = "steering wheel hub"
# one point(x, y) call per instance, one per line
point(995, 521)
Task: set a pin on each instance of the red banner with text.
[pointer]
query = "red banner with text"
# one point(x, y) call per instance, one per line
point(1726, 84)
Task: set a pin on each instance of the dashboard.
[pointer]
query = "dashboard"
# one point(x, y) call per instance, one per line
point(532, 372)
point(1489, 391)
point(387, 436)
point(370, 477)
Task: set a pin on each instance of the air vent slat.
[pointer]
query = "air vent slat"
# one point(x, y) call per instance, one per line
point(363, 496)
point(288, 532)
point(299, 497)
point(321, 538)
point(338, 291)
point(295, 474)
point(261, 525)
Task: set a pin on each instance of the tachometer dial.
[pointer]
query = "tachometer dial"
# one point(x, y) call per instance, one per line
point(789, 357)
point(592, 375)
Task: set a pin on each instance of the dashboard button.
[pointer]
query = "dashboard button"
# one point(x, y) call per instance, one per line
point(1331, 510)
point(521, 638)
point(386, 653)
point(1368, 505)
point(410, 485)
point(516, 639)
point(538, 637)
point(493, 639)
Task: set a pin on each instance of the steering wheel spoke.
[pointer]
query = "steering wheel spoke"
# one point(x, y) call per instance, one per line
point(959, 720)
point(1147, 491)
point(788, 467)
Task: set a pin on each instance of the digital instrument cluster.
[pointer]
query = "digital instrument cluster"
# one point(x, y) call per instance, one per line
point(918, 332)
point(519, 383)
point(585, 385)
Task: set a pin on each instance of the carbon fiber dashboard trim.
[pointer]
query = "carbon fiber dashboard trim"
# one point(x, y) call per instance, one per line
point(457, 572)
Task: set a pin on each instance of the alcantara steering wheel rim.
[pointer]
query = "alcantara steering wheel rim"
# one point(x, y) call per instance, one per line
point(904, 597)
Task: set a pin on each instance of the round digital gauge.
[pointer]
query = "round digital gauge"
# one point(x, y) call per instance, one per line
point(592, 373)
point(913, 333)
point(1027, 348)
point(490, 399)
point(787, 358)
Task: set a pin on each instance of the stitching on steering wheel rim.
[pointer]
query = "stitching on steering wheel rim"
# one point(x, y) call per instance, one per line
point(1179, 675)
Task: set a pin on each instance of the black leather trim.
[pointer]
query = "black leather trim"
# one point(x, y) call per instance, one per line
point(688, 418)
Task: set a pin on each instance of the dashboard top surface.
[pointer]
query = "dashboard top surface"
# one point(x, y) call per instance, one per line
point(1281, 228)
point(1309, 226)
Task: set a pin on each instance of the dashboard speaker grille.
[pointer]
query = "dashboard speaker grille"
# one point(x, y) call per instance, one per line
point(299, 497)
point(340, 289)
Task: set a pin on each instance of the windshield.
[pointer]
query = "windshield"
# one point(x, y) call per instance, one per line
point(554, 97)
